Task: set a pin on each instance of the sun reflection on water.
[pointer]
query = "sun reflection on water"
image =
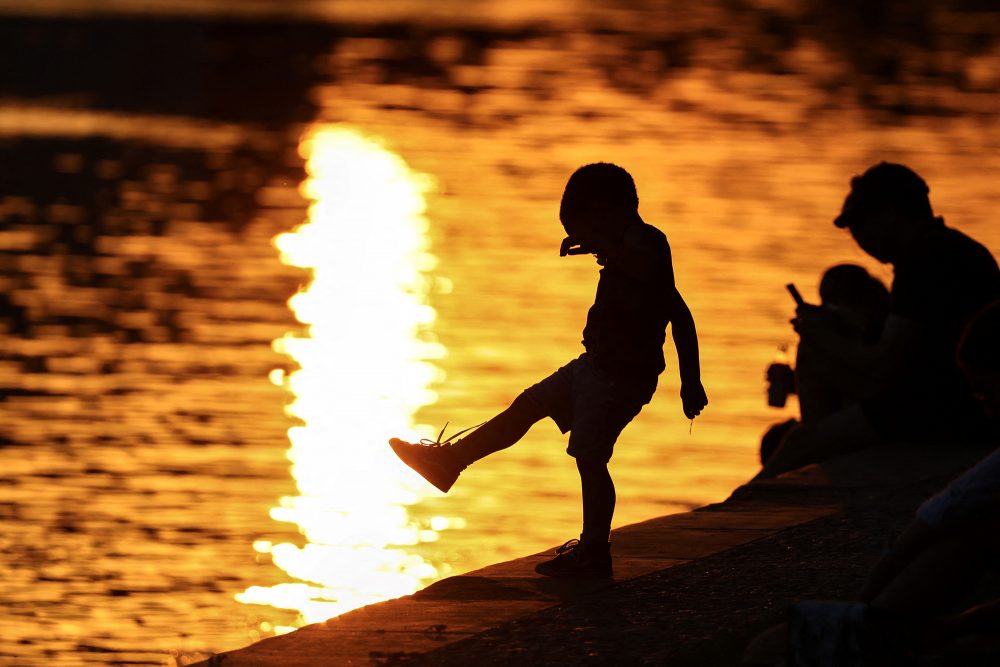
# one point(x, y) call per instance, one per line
point(365, 367)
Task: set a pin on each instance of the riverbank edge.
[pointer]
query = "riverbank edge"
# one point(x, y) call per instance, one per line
point(499, 613)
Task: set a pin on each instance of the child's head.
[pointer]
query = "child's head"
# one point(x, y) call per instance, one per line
point(857, 296)
point(598, 196)
point(979, 357)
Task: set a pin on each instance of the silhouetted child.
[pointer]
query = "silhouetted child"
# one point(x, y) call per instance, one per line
point(855, 304)
point(597, 394)
point(855, 300)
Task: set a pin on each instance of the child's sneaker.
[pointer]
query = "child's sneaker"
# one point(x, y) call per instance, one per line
point(433, 459)
point(578, 560)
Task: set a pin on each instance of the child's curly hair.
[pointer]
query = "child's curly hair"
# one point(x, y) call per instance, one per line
point(600, 181)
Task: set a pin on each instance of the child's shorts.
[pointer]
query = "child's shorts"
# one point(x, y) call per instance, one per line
point(593, 407)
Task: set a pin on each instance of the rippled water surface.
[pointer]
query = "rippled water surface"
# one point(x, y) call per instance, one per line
point(195, 461)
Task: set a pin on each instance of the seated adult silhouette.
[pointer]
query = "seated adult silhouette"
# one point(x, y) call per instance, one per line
point(908, 384)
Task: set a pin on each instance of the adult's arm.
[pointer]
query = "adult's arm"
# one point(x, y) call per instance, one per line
point(972, 496)
point(880, 361)
point(982, 619)
point(913, 540)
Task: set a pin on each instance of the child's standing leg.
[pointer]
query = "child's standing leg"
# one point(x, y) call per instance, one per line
point(600, 409)
point(598, 502)
point(590, 557)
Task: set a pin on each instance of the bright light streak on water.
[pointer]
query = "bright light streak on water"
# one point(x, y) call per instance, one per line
point(365, 367)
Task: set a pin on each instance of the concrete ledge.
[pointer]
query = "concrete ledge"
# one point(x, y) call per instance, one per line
point(462, 606)
point(466, 606)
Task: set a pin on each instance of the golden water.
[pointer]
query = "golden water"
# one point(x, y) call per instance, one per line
point(212, 469)
point(364, 369)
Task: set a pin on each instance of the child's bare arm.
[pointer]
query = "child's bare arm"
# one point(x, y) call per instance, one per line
point(640, 260)
point(682, 328)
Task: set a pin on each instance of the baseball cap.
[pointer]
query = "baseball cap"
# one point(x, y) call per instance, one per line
point(885, 184)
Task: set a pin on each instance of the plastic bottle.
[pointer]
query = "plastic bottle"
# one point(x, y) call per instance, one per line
point(779, 376)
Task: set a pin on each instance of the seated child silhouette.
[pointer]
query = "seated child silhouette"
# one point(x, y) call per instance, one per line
point(596, 395)
point(855, 304)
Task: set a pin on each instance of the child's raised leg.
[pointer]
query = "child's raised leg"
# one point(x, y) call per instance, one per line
point(500, 432)
point(441, 463)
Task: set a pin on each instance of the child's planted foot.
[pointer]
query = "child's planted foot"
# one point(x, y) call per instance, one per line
point(579, 560)
point(433, 460)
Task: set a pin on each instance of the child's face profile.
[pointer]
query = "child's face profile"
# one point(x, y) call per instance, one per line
point(582, 216)
point(575, 223)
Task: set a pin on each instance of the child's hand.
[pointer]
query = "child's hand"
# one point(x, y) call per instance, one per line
point(809, 320)
point(693, 398)
point(572, 245)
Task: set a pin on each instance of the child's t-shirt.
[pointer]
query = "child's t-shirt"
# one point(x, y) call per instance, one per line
point(626, 326)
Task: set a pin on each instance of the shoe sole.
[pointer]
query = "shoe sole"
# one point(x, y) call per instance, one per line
point(441, 478)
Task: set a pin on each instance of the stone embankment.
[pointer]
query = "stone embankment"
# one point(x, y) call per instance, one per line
point(689, 589)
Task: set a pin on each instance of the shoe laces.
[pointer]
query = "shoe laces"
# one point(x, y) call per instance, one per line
point(568, 547)
point(438, 442)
